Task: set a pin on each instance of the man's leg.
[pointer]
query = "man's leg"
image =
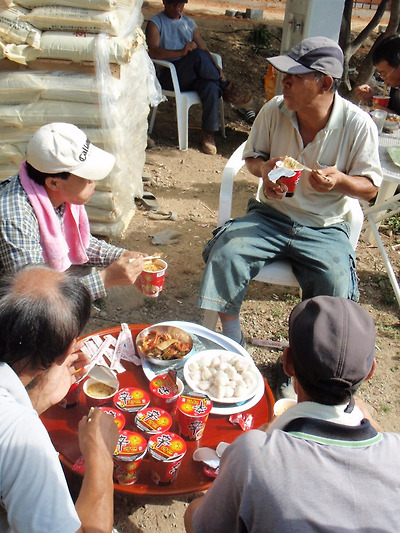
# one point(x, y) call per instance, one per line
point(324, 262)
point(252, 241)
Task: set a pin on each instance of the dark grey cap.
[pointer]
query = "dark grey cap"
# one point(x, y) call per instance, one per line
point(319, 54)
point(332, 341)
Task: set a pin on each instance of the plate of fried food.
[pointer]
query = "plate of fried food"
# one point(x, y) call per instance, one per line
point(163, 345)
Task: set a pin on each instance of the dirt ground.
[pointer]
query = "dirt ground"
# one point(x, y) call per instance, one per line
point(187, 183)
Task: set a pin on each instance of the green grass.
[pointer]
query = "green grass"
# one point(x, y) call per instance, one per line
point(259, 38)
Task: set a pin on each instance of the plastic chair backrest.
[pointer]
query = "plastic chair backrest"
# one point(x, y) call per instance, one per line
point(184, 100)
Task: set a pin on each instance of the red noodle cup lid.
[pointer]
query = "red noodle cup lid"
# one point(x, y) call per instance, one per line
point(131, 399)
point(166, 446)
point(130, 444)
point(194, 405)
point(163, 386)
point(153, 419)
point(118, 416)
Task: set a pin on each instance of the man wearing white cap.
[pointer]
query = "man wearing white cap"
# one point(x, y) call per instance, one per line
point(313, 124)
point(43, 218)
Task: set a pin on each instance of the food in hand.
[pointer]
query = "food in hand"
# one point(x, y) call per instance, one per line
point(290, 162)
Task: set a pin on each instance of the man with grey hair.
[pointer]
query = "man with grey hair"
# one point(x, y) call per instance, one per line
point(313, 124)
point(323, 465)
point(42, 312)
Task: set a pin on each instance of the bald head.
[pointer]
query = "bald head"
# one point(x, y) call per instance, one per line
point(41, 313)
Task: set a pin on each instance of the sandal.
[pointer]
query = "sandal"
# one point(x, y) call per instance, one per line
point(162, 215)
point(148, 201)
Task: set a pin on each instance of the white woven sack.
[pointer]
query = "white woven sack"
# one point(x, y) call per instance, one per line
point(13, 29)
point(61, 18)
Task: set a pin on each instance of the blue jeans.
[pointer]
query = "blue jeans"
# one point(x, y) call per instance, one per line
point(322, 259)
point(197, 72)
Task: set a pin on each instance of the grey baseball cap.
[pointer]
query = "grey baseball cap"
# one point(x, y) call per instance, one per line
point(332, 341)
point(319, 54)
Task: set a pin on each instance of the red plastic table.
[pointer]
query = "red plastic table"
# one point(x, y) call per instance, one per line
point(62, 425)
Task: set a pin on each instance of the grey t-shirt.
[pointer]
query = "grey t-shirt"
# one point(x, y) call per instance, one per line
point(174, 34)
point(319, 477)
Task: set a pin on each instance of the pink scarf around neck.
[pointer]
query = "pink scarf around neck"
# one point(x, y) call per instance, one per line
point(63, 245)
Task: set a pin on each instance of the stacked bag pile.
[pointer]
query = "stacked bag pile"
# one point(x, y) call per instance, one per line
point(83, 62)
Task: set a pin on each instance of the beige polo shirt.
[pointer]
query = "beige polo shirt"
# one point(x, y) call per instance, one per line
point(349, 141)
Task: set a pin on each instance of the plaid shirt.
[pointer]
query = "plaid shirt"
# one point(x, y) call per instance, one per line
point(20, 237)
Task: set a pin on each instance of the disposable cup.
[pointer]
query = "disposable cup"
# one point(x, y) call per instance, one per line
point(131, 399)
point(282, 405)
point(290, 182)
point(379, 117)
point(380, 101)
point(166, 452)
point(152, 421)
point(164, 392)
point(128, 456)
point(192, 414)
point(152, 282)
point(119, 417)
point(72, 397)
point(97, 393)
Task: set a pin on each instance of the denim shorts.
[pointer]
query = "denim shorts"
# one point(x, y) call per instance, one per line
point(322, 259)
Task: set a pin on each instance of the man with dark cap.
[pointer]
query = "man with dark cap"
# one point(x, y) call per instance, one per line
point(313, 124)
point(323, 465)
point(173, 36)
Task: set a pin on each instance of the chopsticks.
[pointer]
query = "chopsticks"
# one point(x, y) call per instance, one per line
point(132, 259)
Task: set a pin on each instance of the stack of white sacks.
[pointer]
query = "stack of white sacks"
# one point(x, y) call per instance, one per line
point(47, 54)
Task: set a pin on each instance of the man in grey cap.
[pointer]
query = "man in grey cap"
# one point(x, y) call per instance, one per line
point(313, 124)
point(323, 465)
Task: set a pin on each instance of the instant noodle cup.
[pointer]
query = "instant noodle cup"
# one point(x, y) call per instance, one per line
point(380, 101)
point(291, 182)
point(119, 418)
point(128, 455)
point(131, 399)
point(152, 277)
point(153, 420)
point(72, 397)
point(97, 393)
point(192, 414)
point(164, 392)
point(166, 452)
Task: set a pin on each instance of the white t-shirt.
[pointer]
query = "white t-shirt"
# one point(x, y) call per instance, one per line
point(34, 493)
point(349, 141)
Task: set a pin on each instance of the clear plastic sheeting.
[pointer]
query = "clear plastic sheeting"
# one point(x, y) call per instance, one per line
point(103, 84)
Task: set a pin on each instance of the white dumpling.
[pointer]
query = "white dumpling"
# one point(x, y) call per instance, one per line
point(213, 390)
point(221, 379)
point(193, 367)
point(230, 371)
point(229, 392)
point(248, 378)
point(241, 364)
point(206, 374)
point(204, 385)
point(240, 390)
point(215, 362)
point(195, 376)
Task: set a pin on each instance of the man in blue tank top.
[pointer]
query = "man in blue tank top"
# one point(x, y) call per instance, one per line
point(174, 37)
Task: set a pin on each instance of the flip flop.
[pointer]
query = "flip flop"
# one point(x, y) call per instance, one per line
point(162, 215)
point(148, 201)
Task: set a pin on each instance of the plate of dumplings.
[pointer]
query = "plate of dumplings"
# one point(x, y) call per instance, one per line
point(225, 377)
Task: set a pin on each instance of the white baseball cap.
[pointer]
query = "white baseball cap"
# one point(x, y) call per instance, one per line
point(62, 147)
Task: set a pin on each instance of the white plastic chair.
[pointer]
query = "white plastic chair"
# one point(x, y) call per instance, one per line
point(184, 100)
point(278, 272)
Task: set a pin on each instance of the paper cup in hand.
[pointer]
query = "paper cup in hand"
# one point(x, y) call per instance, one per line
point(380, 101)
point(152, 277)
point(286, 176)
